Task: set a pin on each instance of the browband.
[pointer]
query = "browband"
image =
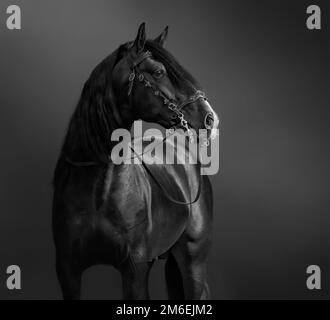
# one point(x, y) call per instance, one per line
point(141, 57)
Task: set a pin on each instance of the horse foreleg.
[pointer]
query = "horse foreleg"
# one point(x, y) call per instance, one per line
point(173, 277)
point(69, 278)
point(191, 259)
point(135, 281)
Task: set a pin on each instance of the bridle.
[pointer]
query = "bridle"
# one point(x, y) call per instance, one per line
point(175, 108)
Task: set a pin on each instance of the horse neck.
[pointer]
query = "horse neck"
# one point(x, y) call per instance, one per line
point(90, 139)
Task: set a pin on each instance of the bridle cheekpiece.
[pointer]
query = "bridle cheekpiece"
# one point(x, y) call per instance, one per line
point(172, 106)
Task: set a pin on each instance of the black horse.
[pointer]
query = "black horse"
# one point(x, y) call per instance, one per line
point(122, 215)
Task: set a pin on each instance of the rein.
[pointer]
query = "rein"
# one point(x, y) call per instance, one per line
point(167, 195)
point(176, 114)
point(164, 191)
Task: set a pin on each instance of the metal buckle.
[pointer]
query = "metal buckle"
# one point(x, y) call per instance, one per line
point(131, 76)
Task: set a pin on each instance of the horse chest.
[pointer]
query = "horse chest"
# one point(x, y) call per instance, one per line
point(124, 187)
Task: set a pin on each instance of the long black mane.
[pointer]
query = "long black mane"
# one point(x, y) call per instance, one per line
point(92, 122)
point(91, 125)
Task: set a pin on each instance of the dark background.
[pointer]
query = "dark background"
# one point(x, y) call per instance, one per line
point(267, 76)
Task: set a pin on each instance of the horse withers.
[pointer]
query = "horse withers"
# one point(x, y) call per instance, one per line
point(128, 215)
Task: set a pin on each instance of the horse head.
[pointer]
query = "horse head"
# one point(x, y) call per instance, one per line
point(150, 84)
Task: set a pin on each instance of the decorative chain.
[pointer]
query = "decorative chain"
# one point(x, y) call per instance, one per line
point(170, 105)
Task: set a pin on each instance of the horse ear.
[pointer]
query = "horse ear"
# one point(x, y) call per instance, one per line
point(140, 38)
point(162, 37)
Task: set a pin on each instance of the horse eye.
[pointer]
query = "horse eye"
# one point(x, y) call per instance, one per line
point(159, 73)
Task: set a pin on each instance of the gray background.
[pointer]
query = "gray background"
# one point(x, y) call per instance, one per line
point(266, 75)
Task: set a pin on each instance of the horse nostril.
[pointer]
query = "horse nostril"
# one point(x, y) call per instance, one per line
point(208, 121)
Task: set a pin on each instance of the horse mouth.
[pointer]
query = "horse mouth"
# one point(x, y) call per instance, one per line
point(204, 135)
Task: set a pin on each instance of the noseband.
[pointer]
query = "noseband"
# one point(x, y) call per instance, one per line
point(172, 106)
